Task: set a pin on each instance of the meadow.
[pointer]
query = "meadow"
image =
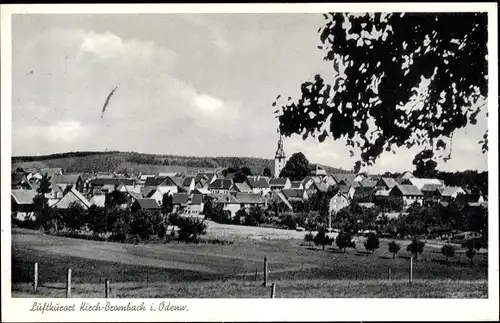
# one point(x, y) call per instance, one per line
point(236, 270)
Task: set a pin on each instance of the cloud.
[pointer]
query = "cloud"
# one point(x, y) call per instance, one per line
point(207, 103)
point(66, 131)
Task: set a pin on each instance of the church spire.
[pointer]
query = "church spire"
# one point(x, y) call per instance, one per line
point(280, 153)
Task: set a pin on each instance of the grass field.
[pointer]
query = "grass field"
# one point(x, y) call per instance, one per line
point(230, 270)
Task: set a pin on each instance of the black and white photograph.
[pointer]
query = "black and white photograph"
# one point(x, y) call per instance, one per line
point(337, 153)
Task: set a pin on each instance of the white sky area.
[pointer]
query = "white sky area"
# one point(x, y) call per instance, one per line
point(188, 84)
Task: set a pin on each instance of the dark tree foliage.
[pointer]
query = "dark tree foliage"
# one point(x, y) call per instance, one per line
point(141, 224)
point(372, 242)
point(470, 253)
point(97, 220)
point(75, 216)
point(296, 168)
point(309, 237)
point(167, 204)
point(398, 80)
point(321, 239)
point(255, 216)
point(190, 229)
point(415, 247)
point(115, 198)
point(448, 251)
point(344, 240)
point(267, 172)
point(394, 248)
point(44, 186)
point(239, 216)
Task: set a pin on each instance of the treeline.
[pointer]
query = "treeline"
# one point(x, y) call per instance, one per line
point(115, 224)
point(60, 155)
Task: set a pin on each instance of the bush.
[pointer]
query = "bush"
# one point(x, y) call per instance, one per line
point(470, 253)
point(309, 237)
point(190, 229)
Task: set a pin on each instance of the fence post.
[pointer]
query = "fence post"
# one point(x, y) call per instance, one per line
point(390, 274)
point(35, 278)
point(68, 284)
point(106, 288)
point(356, 276)
point(265, 272)
point(256, 273)
point(147, 276)
point(411, 269)
point(273, 290)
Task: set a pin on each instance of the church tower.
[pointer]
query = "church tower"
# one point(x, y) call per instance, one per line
point(279, 159)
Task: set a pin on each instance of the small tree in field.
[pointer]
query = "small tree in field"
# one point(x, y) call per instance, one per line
point(344, 240)
point(321, 239)
point(415, 247)
point(448, 251)
point(372, 242)
point(470, 253)
point(309, 238)
point(394, 248)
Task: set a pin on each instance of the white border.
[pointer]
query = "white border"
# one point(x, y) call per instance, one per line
point(256, 309)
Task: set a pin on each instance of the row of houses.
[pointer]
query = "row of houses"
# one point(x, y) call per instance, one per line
point(189, 191)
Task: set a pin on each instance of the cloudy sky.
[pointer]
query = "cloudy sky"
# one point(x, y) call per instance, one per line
point(188, 84)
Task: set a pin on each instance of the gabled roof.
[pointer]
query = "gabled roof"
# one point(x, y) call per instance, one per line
point(147, 191)
point(307, 179)
point(64, 203)
point(450, 190)
point(197, 199)
point(23, 196)
point(389, 182)
point(17, 178)
point(199, 177)
point(223, 184)
point(242, 187)
point(408, 190)
point(202, 191)
point(180, 198)
point(362, 191)
point(148, 204)
point(293, 193)
point(177, 181)
point(227, 199)
point(322, 187)
point(280, 181)
point(420, 182)
point(368, 183)
point(154, 181)
point(382, 193)
point(249, 198)
point(296, 184)
point(105, 181)
point(430, 187)
point(347, 178)
point(66, 178)
point(187, 181)
point(50, 171)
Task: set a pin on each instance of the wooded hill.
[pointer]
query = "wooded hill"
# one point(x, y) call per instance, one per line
point(89, 161)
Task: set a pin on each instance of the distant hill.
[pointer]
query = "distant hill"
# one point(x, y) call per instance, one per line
point(145, 163)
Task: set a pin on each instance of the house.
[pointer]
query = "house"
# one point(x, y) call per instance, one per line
point(307, 181)
point(240, 188)
point(167, 183)
point(279, 183)
point(338, 202)
point(188, 184)
point(297, 185)
point(409, 193)
point(316, 187)
point(259, 185)
point(201, 180)
point(145, 205)
point(317, 170)
point(18, 180)
point(386, 183)
point(98, 200)
point(407, 175)
point(50, 171)
point(103, 185)
point(470, 196)
point(420, 182)
point(159, 192)
point(202, 191)
point(449, 193)
point(329, 181)
point(344, 179)
point(194, 206)
point(240, 200)
point(281, 201)
point(430, 193)
point(68, 180)
point(22, 203)
point(361, 194)
point(220, 186)
point(292, 194)
point(72, 196)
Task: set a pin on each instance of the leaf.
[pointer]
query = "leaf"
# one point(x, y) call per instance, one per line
point(276, 111)
point(440, 144)
point(274, 104)
point(279, 96)
point(304, 136)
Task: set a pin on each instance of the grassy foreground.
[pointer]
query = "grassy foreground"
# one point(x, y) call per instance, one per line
point(236, 270)
point(284, 289)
